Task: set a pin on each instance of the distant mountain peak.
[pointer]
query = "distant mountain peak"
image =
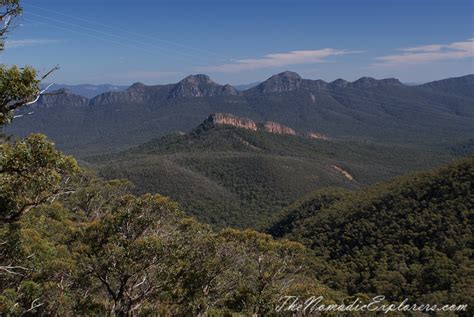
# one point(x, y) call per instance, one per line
point(288, 74)
point(198, 78)
point(339, 83)
point(366, 82)
point(138, 86)
point(201, 85)
point(286, 81)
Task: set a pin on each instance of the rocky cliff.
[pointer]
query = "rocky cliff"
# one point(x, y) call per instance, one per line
point(273, 127)
point(220, 119)
point(229, 119)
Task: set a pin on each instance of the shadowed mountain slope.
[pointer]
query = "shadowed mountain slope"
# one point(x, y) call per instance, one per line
point(384, 110)
point(408, 238)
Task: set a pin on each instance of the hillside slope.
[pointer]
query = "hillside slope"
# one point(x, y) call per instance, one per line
point(228, 175)
point(412, 237)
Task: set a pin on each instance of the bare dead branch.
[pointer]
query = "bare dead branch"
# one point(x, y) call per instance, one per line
point(15, 104)
point(8, 269)
point(34, 304)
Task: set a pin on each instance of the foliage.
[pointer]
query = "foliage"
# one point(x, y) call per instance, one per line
point(410, 238)
point(17, 87)
point(32, 172)
point(97, 249)
point(227, 176)
point(74, 244)
point(291, 218)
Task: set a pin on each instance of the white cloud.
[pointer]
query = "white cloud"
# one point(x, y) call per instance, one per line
point(428, 53)
point(28, 42)
point(277, 60)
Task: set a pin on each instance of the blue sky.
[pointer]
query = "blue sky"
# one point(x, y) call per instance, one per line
point(162, 41)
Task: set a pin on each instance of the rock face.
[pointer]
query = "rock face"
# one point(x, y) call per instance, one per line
point(345, 173)
point(62, 97)
point(277, 128)
point(201, 86)
point(317, 136)
point(229, 119)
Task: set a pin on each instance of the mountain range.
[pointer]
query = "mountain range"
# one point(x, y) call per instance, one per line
point(434, 114)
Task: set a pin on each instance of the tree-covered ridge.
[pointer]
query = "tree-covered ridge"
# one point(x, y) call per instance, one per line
point(96, 249)
point(292, 217)
point(225, 175)
point(412, 237)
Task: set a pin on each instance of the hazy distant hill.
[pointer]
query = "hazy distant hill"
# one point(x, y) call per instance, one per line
point(246, 86)
point(370, 109)
point(87, 90)
point(235, 171)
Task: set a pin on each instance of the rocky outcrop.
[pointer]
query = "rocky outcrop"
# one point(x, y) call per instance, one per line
point(217, 119)
point(345, 173)
point(278, 128)
point(229, 119)
point(200, 86)
point(317, 136)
